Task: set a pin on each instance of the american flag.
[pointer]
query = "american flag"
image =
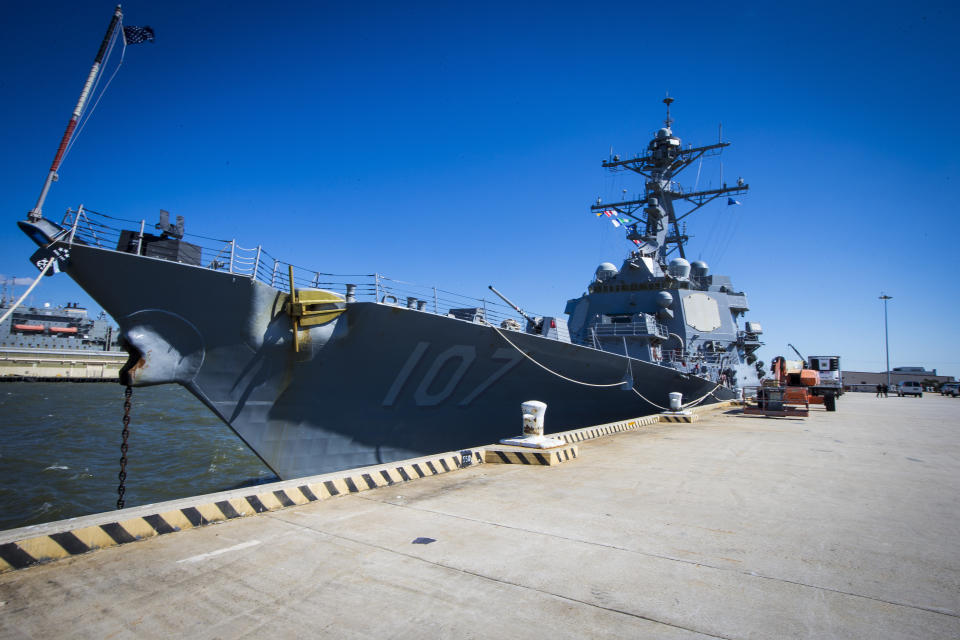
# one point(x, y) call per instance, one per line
point(136, 35)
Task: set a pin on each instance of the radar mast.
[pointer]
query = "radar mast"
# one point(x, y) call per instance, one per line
point(653, 221)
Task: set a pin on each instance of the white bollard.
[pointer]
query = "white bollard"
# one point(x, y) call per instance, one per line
point(676, 401)
point(533, 414)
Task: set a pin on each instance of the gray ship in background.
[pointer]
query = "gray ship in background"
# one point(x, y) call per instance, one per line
point(65, 328)
point(62, 343)
point(318, 372)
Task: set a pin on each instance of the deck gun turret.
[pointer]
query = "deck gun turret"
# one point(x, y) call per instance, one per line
point(546, 326)
point(534, 325)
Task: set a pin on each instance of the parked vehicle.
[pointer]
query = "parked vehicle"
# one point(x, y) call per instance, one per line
point(828, 367)
point(910, 388)
point(950, 389)
point(820, 375)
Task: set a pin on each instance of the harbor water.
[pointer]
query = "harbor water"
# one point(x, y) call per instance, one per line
point(60, 451)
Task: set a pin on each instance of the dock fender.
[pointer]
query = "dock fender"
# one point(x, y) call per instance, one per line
point(163, 346)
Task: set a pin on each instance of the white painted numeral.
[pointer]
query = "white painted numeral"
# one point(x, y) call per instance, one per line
point(466, 354)
point(513, 358)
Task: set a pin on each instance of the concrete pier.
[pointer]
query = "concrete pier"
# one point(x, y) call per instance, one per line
point(53, 365)
point(839, 525)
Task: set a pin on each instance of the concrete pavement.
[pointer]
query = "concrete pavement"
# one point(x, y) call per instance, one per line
point(840, 525)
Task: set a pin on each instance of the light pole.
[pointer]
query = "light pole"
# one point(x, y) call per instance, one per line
point(886, 332)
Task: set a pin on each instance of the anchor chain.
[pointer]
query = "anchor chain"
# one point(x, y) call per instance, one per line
point(121, 490)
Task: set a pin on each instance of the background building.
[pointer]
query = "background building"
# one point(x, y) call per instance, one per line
point(868, 380)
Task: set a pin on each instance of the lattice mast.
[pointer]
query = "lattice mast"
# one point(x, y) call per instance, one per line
point(654, 222)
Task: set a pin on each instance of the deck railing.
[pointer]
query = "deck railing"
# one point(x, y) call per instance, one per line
point(646, 327)
point(109, 232)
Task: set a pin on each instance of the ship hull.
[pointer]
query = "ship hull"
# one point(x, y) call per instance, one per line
point(375, 384)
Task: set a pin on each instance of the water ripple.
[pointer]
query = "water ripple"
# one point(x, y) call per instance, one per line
point(177, 448)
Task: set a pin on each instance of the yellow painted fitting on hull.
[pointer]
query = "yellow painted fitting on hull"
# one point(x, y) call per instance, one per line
point(310, 307)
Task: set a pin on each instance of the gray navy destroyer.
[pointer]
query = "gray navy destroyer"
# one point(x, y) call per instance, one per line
point(317, 372)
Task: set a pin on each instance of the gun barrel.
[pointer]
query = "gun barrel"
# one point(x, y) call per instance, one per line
point(507, 300)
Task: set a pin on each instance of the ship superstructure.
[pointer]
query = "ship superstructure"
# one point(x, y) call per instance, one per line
point(658, 309)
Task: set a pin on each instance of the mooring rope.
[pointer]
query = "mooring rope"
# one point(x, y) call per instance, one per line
point(16, 304)
point(692, 403)
point(548, 370)
point(615, 384)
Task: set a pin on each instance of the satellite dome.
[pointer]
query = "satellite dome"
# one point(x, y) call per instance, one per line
point(699, 268)
point(664, 133)
point(679, 268)
point(664, 299)
point(606, 270)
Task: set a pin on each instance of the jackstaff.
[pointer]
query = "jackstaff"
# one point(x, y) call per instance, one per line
point(136, 36)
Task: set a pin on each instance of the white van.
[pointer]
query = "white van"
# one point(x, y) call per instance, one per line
point(910, 388)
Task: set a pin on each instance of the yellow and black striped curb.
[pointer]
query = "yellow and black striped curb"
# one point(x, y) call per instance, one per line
point(725, 404)
point(518, 455)
point(694, 413)
point(122, 527)
point(679, 417)
point(588, 433)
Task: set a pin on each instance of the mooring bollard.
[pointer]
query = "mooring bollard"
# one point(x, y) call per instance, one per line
point(676, 401)
point(676, 412)
point(533, 413)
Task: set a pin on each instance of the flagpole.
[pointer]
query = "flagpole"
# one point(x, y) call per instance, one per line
point(36, 213)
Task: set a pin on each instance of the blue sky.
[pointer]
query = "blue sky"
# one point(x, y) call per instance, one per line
point(460, 145)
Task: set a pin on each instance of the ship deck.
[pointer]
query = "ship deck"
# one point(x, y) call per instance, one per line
point(839, 525)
